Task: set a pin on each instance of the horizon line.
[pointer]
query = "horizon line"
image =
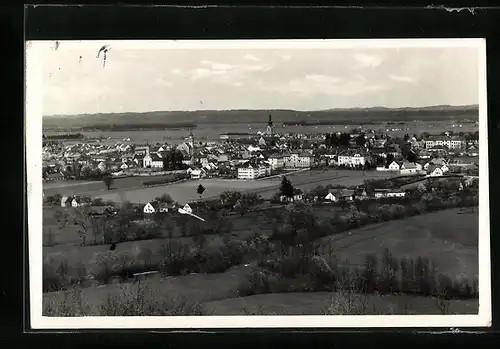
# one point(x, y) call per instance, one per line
point(476, 105)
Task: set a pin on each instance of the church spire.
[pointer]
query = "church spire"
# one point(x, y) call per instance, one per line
point(270, 126)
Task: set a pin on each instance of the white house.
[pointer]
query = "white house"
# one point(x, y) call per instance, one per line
point(196, 173)
point(355, 159)
point(343, 194)
point(394, 166)
point(251, 170)
point(187, 208)
point(251, 148)
point(388, 193)
point(331, 197)
point(148, 208)
point(152, 161)
point(65, 201)
point(445, 168)
point(410, 168)
point(434, 171)
point(395, 194)
point(262, 142)
point(446, 141)
point(297, 196)
point(296, 160)
point(276, 161)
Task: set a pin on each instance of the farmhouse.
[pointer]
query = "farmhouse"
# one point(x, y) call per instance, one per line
point(187, 208)
point(360, 194)
point(394, 166)
point(340, 195)
point(410, 168)
point(331, 197)
point(75, 201)
point(297, 196)
point(434, 171)
point(388, 193)
point(54, 176)
point(148, 208)
point(197, 173)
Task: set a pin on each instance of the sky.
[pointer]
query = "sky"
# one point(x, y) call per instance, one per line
point(75, 81)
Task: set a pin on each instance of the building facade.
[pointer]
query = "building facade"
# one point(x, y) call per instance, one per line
point(297, 160)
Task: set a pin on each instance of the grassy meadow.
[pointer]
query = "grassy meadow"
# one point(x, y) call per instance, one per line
point(448, 237)
point(131, 188)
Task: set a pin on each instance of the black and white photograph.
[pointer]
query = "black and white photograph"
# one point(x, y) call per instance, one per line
point(258, 183)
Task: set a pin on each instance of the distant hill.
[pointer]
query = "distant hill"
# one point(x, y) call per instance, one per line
point(173, 118)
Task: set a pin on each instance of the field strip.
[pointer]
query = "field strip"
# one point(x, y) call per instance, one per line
point(65, 185)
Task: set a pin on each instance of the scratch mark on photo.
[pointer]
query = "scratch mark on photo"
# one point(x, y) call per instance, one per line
point(105, 49)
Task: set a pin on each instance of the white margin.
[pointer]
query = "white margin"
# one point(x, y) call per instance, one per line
point(34, 189)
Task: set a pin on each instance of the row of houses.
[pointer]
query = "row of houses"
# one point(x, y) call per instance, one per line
point(337, 195)
point(453, 142)
point(154, 207)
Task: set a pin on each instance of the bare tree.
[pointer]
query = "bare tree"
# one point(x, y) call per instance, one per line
point(108, 181)
point(50, 238)
point(443, 304)
point(81, 218)
point(58, 215)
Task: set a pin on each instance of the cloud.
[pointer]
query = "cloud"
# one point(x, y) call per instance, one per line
point(286, 58)
point(317, 84)
point(405, 79)
point(176, 71)
point(162, 82)
point(252, 58)
point(226, 73)
point(202, 73)
point(322, 79)
point(217, 66)
point(367, 61)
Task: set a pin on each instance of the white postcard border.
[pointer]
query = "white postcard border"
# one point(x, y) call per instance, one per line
point(33, 120)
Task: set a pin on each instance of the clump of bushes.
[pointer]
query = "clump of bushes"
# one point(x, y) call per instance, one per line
point(58, 275)
point(137, 300)
point(384, 275)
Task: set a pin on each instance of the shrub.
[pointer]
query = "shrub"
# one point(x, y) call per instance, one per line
point(107, 265)
point(55, 273)
point(212, 262)
point(256, 283)
point(130, 301)
point(175, 257)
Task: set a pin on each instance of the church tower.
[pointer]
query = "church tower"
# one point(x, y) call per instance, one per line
point(270, 126)
point(191, 146)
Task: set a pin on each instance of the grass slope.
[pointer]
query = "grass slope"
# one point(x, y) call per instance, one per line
point(319, 302)
point(449, 237)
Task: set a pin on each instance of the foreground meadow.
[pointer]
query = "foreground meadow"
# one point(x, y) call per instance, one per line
point(131, 188)
point(448, 238)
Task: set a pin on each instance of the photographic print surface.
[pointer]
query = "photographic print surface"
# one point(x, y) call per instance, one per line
point(197, 183)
